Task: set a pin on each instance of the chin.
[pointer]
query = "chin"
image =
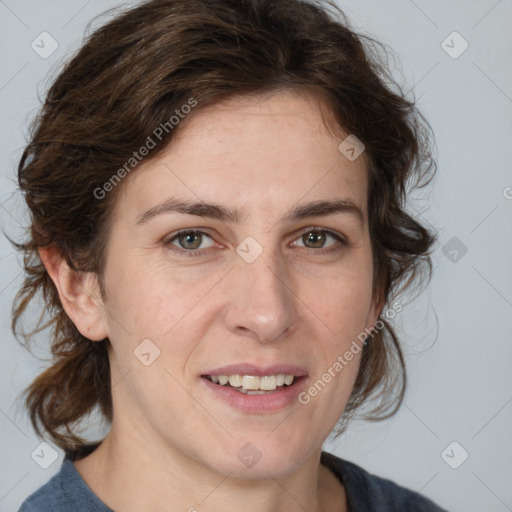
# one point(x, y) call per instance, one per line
point(255, 457)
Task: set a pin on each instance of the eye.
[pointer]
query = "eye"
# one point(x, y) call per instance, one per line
point(189, 242)
point(316, 238)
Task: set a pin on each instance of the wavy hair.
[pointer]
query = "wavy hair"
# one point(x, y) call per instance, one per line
point(129, 77)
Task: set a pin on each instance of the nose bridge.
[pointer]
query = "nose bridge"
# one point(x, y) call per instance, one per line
point(261, 301)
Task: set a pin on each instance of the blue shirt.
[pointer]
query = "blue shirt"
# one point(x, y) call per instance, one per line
point(67, 492)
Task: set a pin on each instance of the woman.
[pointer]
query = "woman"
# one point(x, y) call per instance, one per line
point(216, 190)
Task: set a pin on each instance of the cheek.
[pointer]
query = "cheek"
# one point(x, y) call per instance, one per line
point(154, 302)
point(147, 314)
point(343, 302)
point(143, 294)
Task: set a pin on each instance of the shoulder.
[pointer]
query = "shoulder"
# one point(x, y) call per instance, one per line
point(44, 499)
point(65, 491)
point(372, 493)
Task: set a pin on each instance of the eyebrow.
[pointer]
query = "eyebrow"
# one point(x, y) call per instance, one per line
point(318, 208)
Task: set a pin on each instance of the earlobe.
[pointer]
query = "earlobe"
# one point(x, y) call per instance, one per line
point(79, 294)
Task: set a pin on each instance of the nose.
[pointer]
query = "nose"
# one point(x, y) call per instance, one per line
point(262, 303)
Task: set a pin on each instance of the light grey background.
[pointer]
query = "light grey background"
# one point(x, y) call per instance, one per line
point(457, 334)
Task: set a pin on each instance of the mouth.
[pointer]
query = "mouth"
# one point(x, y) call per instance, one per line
point(254, 389)
point(254, 384)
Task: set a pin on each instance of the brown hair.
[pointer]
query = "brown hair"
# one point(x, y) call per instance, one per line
point(129, 77)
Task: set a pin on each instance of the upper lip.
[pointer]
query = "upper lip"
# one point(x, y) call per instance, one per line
point(260, 371)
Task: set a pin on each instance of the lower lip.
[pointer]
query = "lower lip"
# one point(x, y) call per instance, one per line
point(269, 402)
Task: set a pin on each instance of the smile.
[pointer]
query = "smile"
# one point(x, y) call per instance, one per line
point(253, 384)
point(253, 389)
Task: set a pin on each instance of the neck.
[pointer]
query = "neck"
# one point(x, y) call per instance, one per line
point(130, 474)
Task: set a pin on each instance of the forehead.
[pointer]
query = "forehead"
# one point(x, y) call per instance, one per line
point(263, 118)
point(263, 151)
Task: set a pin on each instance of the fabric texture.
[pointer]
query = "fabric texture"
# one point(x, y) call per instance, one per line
point(369, 493)
point(67, 492)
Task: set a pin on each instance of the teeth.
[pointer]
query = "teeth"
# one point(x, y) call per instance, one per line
point(252, 384)
point(252, 392)
point(235, 381)
point(269, 382)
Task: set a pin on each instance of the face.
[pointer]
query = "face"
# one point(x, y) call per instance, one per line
point(256, 284)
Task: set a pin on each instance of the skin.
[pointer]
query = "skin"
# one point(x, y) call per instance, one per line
point(172, 441)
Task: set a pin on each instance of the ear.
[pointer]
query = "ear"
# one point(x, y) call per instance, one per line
point(79, 294)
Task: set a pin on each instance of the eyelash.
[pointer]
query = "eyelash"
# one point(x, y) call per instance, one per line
point(199, 252)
